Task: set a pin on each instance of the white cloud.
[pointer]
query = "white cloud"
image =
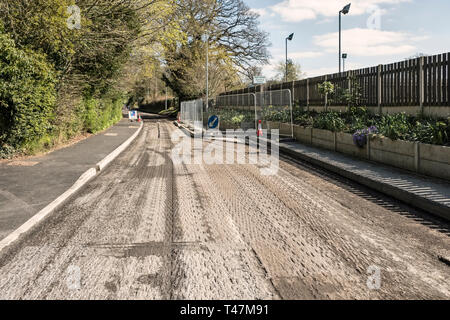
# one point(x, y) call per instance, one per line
point(300, 10)
point(368, 42)
point(279, 54)
point(269, 71)
point(261, 11)
point(305, 54)
point(309, 73)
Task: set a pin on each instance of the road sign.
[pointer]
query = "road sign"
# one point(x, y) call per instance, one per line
point(259, 80)
point(213, 122)
point(133, 115)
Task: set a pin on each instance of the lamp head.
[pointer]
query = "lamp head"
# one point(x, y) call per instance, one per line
point(291, 36)
point(346, 9)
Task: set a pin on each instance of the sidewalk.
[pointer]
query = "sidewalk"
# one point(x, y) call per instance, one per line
point(28, 186)
point(429, 194)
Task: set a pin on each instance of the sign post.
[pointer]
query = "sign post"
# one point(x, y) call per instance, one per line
point(133, 115)
point(259, 80)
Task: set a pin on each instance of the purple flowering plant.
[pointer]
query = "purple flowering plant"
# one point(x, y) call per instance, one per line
point(360, 136)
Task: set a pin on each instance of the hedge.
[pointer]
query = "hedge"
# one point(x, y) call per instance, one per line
point(27, 95)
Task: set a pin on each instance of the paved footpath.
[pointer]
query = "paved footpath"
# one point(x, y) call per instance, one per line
point(432, 195)
point(28, 186)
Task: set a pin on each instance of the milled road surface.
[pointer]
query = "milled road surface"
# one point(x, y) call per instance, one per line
point(149, 229)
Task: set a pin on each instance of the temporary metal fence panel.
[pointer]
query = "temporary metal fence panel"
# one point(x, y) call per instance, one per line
point(191, 113)
point(276, 106)
point(244, 103)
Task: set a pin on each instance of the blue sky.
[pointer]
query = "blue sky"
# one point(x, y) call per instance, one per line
point(374, 32)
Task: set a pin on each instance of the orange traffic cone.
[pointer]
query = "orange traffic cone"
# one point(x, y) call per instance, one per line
point(260, 130)
point(139, 119)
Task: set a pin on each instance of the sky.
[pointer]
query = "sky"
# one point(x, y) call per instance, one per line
point(374, 32)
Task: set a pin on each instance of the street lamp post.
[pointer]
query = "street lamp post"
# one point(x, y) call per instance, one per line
point(291, 36)
point(345, 10)
point(206, 40)
point(165, 104)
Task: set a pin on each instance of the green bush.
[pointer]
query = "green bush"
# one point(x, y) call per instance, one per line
point(100, 113)
point(237, 119)
point(280, 114)
point(232, 116)
point(396, 126)
point(27, 96)
point(171, 112)
point(329, 121)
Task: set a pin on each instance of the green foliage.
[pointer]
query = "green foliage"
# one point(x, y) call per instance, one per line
point(237, 119)
point(351, 97)
point(27, 95)
point(171, 112)
point(329, 121)
point(294, 71)
point(40, 25)
point(325, 88)
point(272, 113)
point(306, 119)
point(99, 114)
point(55, 82)
point(432, 131)
point(397, 126)
point(232, 116)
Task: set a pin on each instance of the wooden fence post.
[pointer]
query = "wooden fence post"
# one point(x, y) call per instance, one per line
point(421, 83)
point(326, 97)
point(349, 84)
point(379, 88)
point(292, 93)
point(270, 94)
point(307, 94)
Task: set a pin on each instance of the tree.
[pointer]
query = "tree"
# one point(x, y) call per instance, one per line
point(92, 67)
point(235, 44)
point(251, 72)
point(40, 25)
point(293, 71)
point(27, 94)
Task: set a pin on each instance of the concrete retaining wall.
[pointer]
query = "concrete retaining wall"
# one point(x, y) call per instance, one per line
point(432, 111)
point(344, 144)
point(285, 129)
point(323, 139)
point(427, 159)
point(398, 153)
point(434, 160)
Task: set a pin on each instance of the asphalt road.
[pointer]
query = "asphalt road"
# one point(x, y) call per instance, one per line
point(150, 229)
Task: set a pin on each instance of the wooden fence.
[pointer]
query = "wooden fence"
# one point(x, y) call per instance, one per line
point(419, 82)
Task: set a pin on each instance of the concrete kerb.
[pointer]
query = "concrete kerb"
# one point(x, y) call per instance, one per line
point(45, 213)
point(113, 155)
